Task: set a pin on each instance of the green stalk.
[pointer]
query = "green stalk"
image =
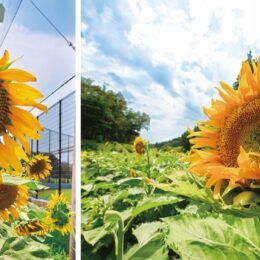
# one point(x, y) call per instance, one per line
point(150, 189)
point(119, 237)
point(148, 162)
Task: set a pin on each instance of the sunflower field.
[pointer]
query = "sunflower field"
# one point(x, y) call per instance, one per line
point(28, 231)
point(139, 202)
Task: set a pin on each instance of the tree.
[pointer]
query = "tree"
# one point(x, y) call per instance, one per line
point(106, 117)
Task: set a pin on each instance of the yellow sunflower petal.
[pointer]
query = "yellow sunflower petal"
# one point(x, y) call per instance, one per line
point(5, 58)
point(16, 75)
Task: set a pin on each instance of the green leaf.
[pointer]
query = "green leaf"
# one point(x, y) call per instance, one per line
point(133, 181)
point(252, 211)
point(94, 235)
point(88, 187)
point(154, 249)
point(145, 231)
point(19, 248)
point(220, 237)
point(32, 185)
point(182, 184)
point(153, 202)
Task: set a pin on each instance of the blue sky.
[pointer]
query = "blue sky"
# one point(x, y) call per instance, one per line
point(44, 53)
point(167, 56)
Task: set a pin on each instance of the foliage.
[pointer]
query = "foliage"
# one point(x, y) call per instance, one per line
point(181, 142)
point(107, 185)
point(105, 115)
point(50, 247)
point(177, 218)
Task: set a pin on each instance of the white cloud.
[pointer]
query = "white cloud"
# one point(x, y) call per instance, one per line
point(84, 27)
point(200, 44)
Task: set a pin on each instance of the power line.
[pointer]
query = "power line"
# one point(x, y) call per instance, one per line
point(53, 25)
point(11, 23)
point(62, 85)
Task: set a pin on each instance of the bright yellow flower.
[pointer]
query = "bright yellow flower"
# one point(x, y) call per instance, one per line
point(226, 148)
point(59, 215)
point(139, 146)
point(14, 120)
point(12, 198)
point(31, 228)
point(38, 167)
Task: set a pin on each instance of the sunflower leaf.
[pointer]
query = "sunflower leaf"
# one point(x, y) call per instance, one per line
point(214, 237)
point(33, 185)
point(153, 202)
point(153, 249)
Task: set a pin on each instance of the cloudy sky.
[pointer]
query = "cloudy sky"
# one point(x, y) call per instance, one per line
point(44, 53)
point(166, 56)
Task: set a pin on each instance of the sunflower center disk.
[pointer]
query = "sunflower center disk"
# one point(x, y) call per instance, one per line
point(8, 195)
point(38, 167)
point(139, 148)
point(4, 109)
point(242, 128)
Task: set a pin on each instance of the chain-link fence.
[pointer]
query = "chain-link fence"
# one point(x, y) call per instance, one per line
point(58, 140)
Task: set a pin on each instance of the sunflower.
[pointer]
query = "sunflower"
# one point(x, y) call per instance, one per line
point(14, 120)
point(132, 173)
point(38, 167)
point(139, 146)
point(31, 228)
point(226, 149)
point(12, 198)
point(59, 215)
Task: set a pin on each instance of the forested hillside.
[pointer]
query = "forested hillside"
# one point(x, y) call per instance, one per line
point(106, 116)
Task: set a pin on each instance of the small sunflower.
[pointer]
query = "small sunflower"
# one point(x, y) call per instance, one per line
point(31, 228)
point(226, 149)
point(38, 167)
point(59, 215)
point(139, 146)
point(132, 173)
point(12, 198)
point(14, 120)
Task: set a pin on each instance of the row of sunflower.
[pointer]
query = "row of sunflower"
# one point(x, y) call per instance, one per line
point(17, 126)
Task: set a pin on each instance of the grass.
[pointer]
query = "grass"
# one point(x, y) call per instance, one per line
point(46, 194)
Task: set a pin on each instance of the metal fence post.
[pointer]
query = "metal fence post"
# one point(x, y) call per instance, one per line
point(68, 160)
point(37, 142)
point(49, 151)
point(31, 146)
point(60, 114)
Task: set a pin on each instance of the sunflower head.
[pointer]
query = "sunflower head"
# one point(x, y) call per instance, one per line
point(226, 149)
point(132, 173)
point(59, 215)
point(12, 198)
point(139, 146)
point(38, 167)
point(31, 228)
point(14, 120)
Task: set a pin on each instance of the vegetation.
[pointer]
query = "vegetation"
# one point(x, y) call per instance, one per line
point(170, 215)
point(106, 117)
point(182, 142)
point(46, 194)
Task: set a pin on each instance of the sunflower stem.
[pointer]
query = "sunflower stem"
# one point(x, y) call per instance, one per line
point(148, 162)
point(119, 237)
point(148, 168)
